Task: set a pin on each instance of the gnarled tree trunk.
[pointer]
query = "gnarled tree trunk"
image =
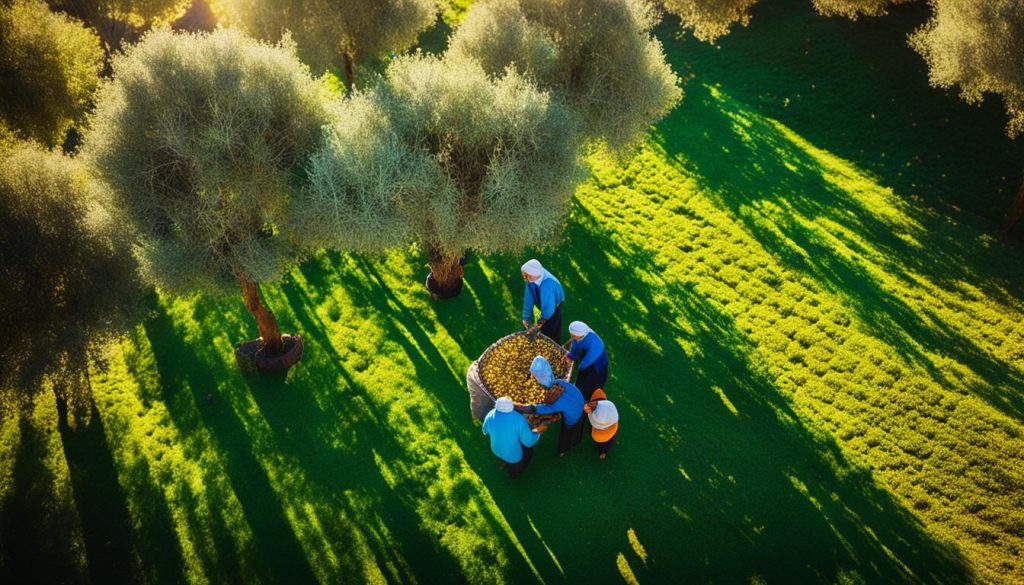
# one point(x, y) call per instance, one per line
point(445, 274)
point(265, 321)
point(1015, 212)
point(348, 73)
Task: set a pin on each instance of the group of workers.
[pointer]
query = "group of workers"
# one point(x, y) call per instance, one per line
point(512, 438)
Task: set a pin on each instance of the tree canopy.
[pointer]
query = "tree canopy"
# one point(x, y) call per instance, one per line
point(335, 34)
point(203, 138)
point(711, 19)
point(977, 46)
point(49, 69)
point(67, 276)
point(442, 154)
point(114, 20)
point(599, 55)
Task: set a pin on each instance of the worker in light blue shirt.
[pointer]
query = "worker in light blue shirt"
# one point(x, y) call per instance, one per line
point(544, 292)
point(587, 350)
point(512, 439)
point(563, 398)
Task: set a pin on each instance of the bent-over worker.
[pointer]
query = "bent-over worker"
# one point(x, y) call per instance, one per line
point(562, 398)
point(587, 350)
point(544, 292)
point(512, 439)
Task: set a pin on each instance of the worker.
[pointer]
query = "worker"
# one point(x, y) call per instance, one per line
point(587, 350)
point(512, 439)
point(544, 292)
point(604, 422)
point(562, 398)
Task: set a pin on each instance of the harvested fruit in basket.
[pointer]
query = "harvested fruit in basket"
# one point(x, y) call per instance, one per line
point(505, 368)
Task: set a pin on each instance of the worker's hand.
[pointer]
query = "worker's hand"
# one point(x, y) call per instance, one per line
point(568, 359)
point(539, 429)
point(519, 407)
point(525, 325)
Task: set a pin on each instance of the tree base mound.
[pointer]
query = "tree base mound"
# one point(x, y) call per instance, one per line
point(439, 292)
point(252, 358)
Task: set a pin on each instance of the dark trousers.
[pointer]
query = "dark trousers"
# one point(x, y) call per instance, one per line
point(553, 326)
point(514, 469)
point(569, 437)
point(590, 379)
point(605, 447)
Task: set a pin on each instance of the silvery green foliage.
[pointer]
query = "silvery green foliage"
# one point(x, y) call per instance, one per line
point(472, 162)
point(356, 181)
point(324, 29)
point(67, 276)
point(597, 55)
point(978, 46)
point(711, 19)
point(49, 68)
point(203, 138)
point(854, 8)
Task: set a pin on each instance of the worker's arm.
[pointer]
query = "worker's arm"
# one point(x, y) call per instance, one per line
point(526, 435)
point(527, 306)
point(548, 408)
point(574, 351)
point(547, 302)
point(593, 352)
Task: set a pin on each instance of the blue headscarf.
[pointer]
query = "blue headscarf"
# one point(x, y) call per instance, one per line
point(541, 370)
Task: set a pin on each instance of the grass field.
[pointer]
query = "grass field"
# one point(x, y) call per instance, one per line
point(816, 347)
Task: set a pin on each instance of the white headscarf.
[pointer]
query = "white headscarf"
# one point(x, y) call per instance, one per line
point(578, 328)
point(604, 415)
point(503, 404)
point(533, 268)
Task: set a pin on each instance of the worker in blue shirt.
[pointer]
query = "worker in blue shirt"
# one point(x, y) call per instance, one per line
point(587, 350)
point(544, 292)
point(512, 439)
point(563, 398)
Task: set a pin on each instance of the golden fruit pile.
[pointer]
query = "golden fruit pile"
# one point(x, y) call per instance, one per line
point(505, 367)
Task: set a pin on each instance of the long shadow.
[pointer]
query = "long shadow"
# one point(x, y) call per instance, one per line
point(368, 292)
point(744, 167)
point(755, 492)
point(321, 420)
point(101, 503)
point(178, 367)
point(34, 537)
point(858, 90)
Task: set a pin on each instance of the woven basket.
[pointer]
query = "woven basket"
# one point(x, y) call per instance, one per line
point(490, 350)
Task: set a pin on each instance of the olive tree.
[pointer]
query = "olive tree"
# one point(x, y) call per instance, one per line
point(203, 138)
point(335, 33)
point(441, 154)
point(68, 281)
point(118, 20)
point(711, 19)
point(597, 55)
point(978, 47)
point(49, 69)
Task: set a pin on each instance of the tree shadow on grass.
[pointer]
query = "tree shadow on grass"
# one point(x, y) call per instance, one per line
point(747, 165)
point(101, 503)
point(857, 89)
point(330, 437)
point(714, 474)
point(36, 532)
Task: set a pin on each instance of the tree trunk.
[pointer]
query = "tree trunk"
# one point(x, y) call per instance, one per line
point(348, 73)
point(265, 321)
point(1015, 212)
point(445, 272)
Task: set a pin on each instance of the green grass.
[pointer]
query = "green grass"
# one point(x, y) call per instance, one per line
point(817, 352)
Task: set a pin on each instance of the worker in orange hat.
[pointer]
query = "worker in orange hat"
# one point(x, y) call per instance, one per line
point(604, 421)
